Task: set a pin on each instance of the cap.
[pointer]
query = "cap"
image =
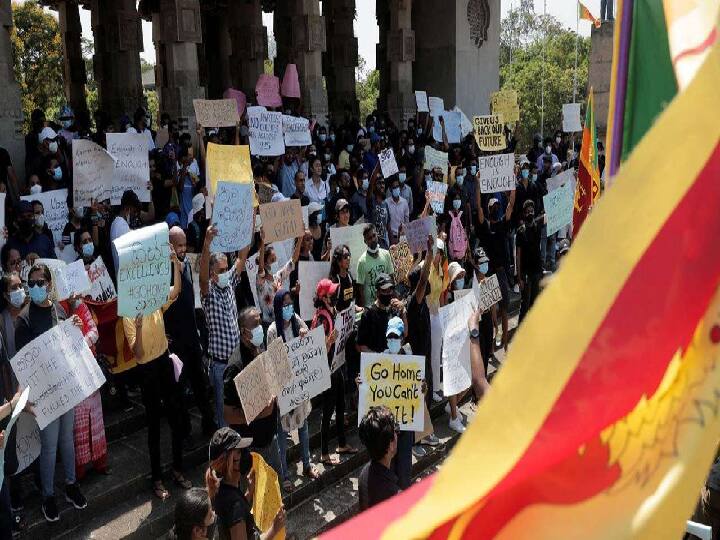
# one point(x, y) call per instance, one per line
point(454, 270)
point(172, 219)
point(325, 287)
point(129, 198)
point(395, 326)
point(342, 203)
point(198, 201)
point(225, 439)
point(46, 133)
point(480, 255)
point(384, 282)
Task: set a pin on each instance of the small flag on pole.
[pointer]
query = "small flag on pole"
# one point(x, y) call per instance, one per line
point(584, 13)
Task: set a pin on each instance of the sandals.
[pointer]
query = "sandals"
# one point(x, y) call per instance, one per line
point(160, 491)
point(311, 472)
point(347, 449)
point(181, 481)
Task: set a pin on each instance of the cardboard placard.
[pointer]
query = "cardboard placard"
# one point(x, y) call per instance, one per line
point(216, 112)
point(457, 375)
point(102, 288)
point(268, 91)
point(489, 132)
point(282, 220)
point(388, 165)
point(55, 210)
point(437, 192)
point(505, 102)
point(421, 100)
point(296, 131)
point(309, 274)
point(239, 97)
point(571, 118)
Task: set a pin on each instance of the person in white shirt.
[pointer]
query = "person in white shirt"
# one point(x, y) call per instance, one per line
point(398, 209)
point(140, 126)
point(317, 189)
point(130, 211)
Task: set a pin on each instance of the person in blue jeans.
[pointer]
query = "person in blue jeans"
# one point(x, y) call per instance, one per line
point(36, 318)
point(289, 325)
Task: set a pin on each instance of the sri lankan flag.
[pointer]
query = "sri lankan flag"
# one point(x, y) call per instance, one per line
point(587, 190)
point(605, 419)
point(584, 14)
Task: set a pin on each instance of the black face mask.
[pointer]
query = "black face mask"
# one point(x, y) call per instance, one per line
point(384, 299)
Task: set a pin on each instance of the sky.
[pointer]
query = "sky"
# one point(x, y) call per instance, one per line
point(367, 30)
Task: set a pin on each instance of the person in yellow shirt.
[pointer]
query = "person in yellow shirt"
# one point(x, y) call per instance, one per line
point(149, 345)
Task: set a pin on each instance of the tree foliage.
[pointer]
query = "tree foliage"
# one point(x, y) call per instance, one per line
point(38, 59)
point(525, 39)
point(367, 86)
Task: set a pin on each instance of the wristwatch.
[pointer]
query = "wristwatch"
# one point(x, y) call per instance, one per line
point(474, 333)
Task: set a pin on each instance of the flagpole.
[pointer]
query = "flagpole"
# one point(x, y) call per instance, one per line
point(542, 79)
point(577, 40)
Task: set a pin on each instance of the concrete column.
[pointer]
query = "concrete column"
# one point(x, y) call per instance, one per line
point(382, 14)
point(11, 116)
point(341, 58)
point(247, 44)
point(457, 51)
point(397, 46)
point(601, 51)
point(74, 64)
point(216, 51)
point(177, 31)
point(118, 43)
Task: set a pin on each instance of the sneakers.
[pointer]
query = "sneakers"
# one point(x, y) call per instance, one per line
point(74, 496)
point(431, 440)
point(49, 510)
point(418, 451)
point(448, 410)
point(457, 424)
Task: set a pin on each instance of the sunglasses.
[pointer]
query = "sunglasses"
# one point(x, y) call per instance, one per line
point(33, 282)
point(345, 256)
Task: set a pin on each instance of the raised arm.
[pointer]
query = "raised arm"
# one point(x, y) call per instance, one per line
point(425, 273)
point(200, 141)
point(511, 204)
point(177, 283)
point(205, 261)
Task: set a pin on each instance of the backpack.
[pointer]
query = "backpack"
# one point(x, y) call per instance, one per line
point(458, 237)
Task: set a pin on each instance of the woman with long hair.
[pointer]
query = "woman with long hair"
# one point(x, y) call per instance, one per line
point(194, 516)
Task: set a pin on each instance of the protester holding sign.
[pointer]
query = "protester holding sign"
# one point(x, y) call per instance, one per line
point(529, 261)
point(340, 274)
point(39, 316)
point(267, 282)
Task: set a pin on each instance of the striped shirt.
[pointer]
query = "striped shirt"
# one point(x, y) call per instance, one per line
point(221, 314)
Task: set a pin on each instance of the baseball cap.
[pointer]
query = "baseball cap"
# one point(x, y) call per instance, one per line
point(46, 133)
point(342, 203)
point(129, 198)
point(325, 287)
point(225, 439)
point(172, 219)
point(384, 282)
point(395, 326)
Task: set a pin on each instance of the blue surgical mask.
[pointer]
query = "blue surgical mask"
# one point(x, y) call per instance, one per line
point(457, 203)
point(288, 312)
point(396, 192)
point(365, 184)
point(402, 177)
point(349, 148)
point(394, 345)
point(460, 283)
point(525, 173)
point(460, 179)
point(473, 170)
point(88, 250)
point(17, 298)
point(38, 294)
point(411, 149)
point(224, 279)
point(371, 129)
point(419, 131)
point(484, 267)
point(57, 173)
point(322, 137)
point(53, 147)
point(257, 336)
point(332, 137)
point(534, 177)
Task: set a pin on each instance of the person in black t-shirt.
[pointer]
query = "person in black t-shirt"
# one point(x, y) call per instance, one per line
point(529, 260)
point(378, 432)
point(340, 274)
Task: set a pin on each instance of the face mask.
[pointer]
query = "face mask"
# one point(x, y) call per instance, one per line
point(557, 140)
point(396, 192)
point(332, 137)
point(534, 177)
point(419, 131)
point(57, 173)
point(88, 250)
point(224, 279)
point(457, 203)
point(327, 157)
point(35, 189)
point(38, 294)
point(349, 148)
point(459, 283)
point(79, 212)
point(394, 345)
point(473, 170)
point(40, 220)
point(322, 137)
point(257, 336)
point(411, 149)
point(525, 173)
point(288, 312)
point(548, 149)
point(483, 268)
point(17, 298)
point(53, 147)
point(66, 123)
point(371, 129)
point(460, 179)
point(373, 249)
point(384, 299)
point(365, 184)
point(402, 177)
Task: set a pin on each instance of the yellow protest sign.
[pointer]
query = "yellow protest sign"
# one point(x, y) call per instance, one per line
point(230, 163)
point(489, 132)
point(267, 500)
point(505, 102)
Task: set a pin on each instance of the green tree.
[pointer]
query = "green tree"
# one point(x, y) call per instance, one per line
point(38, 59)
point(367, 86)
point(525, 39)
point(91, 91)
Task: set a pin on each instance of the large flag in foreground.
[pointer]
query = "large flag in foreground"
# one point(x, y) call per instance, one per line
point(587, 191)
point(604, 421)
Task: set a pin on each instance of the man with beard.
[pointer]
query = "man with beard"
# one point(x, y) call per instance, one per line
point(372, 263)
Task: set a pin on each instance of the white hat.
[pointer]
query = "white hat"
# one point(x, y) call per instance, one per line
point(198, 201)
point(46, 133)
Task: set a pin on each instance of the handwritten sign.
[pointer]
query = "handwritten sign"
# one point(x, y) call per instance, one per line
point(505, 102)
point(59, 369)
point(417, 232)
point(239, 97)
point(72, 279)
point(421, 101)
point(92, 173)
point(559, 206)
point(403, 260)
point(19, 406)
point(268, 91)
point(102, 288)
point(132, 166)
point(489, 132)
point(309, 274)
point(487, 292)
point(265, 130)
point(253, 389)
point(453, 132)
point(344, 324)
point(437, 192)
point(296, 131)
point(395, 381)
point(570, 118)
point(456, 344)
point(143, 276)
point(230, 163)
point(352, 237)
point(282, 220)
point(388, 165)
point(216, 112)
point(27, 441)
point(311, 373)
point(290, 85)
point(560, 180)
point(55, 209)
point(233, 217)
point(497, 173)
point(436, 159)
point(277, 366)
point(436, 106)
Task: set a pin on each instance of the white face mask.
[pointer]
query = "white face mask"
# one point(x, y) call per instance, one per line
point(53, 147)
point(548, 149)
point(40, 220)
point(411, 149)
point(459, 179)
point(35, 189)
point(402, 177)
point(365, 184)
point(473, 170)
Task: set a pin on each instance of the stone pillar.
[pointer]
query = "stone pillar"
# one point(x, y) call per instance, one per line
point(216, 51)
point(457, 51)
point(11, 116)
point(116, 64)
point(177, 31)
point(601, 52)
point(396, 54)
point(247, 44)
point(341, 58)
point(74, 64)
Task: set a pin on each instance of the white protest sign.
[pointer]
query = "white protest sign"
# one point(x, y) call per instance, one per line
point(560, 180)
point(487, 292)
point(437, 192)
point(92, 172)
point(265, 130)
point(466, 126)
point(435, 158)
point(72, 279)
point(132, 166)
point(55, 210)
point(388, 165)
point(559, 206)
point(489, 132)
point(251, 267)
point(453, 132)
point(497, 173)
point(216, 112)
point(193, 259)
point(27, 441)
point(296, 131)
point(311, 373)
point(395, 381)
point(421, 100)
point(143, 278)
point(60, 370)
point(233, 217)
point(15, 414)
point(252, 388)
point(102, 288)
point(344, 324)
point(352, 237)
point(436, 105)
point(309, 274)
point(571, 118)
point(456, 344)
point(417, 232)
